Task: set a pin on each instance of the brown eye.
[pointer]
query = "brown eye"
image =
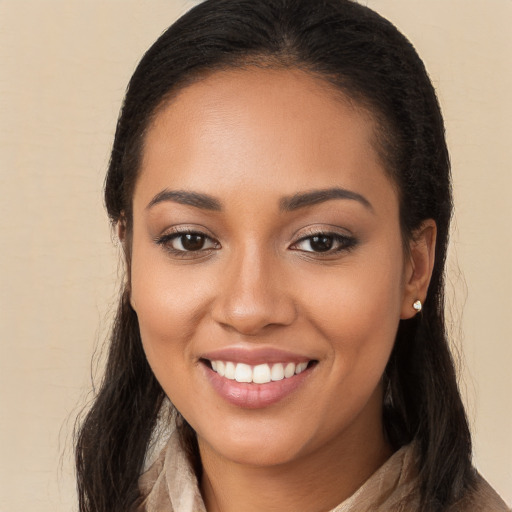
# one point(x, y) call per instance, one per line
point(191, 242)
point(187, 242)
point(325, 243)
point(321, 243)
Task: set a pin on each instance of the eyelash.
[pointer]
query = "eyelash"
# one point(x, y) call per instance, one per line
point(167, 239)
point(344, 243)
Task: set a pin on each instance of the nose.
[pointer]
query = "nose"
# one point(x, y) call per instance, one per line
point(253, 294)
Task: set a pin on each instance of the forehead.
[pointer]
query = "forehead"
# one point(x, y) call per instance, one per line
point(264, 129)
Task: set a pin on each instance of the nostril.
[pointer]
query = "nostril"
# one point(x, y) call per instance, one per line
point(251, 302)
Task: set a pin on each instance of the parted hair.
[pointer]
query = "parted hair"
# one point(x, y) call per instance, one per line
point(371, 62)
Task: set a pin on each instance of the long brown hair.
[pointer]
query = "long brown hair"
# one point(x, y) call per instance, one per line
point(367, 58)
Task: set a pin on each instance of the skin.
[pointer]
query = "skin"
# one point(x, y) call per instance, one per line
point(250, 138)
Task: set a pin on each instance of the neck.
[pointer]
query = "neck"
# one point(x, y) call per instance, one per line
point(317, 481)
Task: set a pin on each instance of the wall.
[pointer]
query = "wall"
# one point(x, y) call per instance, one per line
point(64, 67)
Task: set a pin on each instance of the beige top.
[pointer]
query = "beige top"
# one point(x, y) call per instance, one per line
point(171, 486)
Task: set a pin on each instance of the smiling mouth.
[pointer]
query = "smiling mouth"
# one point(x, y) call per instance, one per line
point(257, 374)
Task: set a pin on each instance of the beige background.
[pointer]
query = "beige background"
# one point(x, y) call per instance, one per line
point(63, 69)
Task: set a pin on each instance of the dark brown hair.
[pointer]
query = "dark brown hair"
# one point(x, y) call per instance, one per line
point(366, 57)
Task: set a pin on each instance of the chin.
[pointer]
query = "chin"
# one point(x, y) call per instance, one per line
point(258, 455)
point(254, 447)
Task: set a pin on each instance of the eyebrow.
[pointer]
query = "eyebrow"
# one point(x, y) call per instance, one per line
point(286, 204)
point(310, 198)
point(196, 199)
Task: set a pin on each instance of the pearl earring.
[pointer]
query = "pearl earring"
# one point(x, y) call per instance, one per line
point(417, 306)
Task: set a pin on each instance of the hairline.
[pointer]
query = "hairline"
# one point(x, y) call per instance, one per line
point(381, 124)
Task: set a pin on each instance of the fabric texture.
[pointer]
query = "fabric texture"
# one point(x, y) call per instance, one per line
point(170, 485)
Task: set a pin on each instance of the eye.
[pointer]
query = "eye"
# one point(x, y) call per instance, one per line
point(327, 243)
point(183, 242)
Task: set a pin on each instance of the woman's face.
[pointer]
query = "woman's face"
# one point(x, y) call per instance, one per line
point(268, 272)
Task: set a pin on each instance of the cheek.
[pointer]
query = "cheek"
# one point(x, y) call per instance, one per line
point(358, 311)
point(169, 308)
point(168, 301)
point(368, 289)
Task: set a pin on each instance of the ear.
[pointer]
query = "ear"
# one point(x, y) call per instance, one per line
point(125, 241)
point(418, 267)
point(121, 229)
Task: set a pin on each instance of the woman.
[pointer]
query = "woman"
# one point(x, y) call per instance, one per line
point(280, 184)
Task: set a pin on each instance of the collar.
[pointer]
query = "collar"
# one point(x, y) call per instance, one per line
point(171, 485)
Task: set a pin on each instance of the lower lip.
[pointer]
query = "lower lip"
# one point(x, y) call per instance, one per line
point(255, 396)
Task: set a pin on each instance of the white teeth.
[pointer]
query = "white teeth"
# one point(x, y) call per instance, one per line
point(243, 373)
point(221, 368)
point(259, 374)
point(289, 370)
point(230, 371)
point(300, 368)
point(277, 372)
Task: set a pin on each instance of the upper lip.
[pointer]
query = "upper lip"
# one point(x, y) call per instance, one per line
point(255, 356)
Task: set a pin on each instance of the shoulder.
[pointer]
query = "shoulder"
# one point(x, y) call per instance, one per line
point(480, 498)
